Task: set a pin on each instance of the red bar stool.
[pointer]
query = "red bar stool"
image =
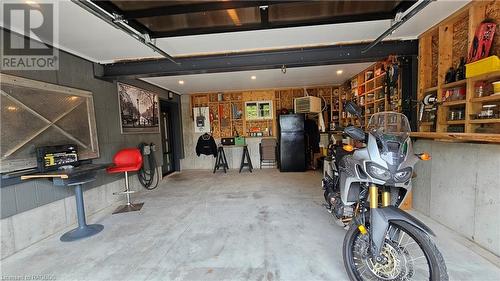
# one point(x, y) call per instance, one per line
point(126, 160)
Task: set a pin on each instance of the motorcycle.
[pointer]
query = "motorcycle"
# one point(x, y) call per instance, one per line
point(363, 189)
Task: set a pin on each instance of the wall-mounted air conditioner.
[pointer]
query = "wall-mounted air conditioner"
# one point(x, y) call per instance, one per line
point(307, 105)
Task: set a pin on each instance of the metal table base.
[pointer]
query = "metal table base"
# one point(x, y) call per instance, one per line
point(83, 230)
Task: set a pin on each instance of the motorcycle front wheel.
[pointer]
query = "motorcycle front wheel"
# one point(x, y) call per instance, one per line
point(408, 252)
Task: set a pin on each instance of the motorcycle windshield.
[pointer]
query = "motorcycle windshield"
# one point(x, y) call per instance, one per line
point(391, 130)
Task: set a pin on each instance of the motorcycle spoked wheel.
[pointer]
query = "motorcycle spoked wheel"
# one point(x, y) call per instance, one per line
point(410, 255)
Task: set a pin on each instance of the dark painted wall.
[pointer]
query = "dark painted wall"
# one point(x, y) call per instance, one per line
point(78, 73)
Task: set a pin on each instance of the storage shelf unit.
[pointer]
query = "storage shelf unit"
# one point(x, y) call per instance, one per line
point(442, 47)
point(222, 105)
point(367, 89)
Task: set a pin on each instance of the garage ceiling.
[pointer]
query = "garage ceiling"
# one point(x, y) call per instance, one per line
point(83, 34)
point(269, 78)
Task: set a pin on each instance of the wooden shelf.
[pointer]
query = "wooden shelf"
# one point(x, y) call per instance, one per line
point(381, 75)
point(475, 137)
point(375, 101)
point(487, 98)
point(426, 123)
point(486, 76)
point(485, 121)
point(373, 90)
point(454, 122)
point(368, 81)
point(454, 84)
point(431, 89)
point(453, 103)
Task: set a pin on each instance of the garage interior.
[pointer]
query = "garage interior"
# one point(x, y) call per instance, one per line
point(195, 140)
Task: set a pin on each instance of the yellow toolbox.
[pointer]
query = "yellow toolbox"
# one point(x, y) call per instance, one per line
point(486, 65)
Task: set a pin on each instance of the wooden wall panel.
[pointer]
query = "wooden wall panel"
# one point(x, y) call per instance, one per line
point(493, 12)
point(460, 39)
point(434, 59)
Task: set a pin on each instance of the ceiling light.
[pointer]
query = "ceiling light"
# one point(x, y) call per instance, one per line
point(340, 71)
point(32, 3)
point(234, 17)
point(253, 77)
point(11, 108)
point(181, 82)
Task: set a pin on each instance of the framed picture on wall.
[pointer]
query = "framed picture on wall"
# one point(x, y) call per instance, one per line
point(138, 110)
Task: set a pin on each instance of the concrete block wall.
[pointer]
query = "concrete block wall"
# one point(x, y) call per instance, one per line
point(193, 162)
point(460, 188)
point(24, 229)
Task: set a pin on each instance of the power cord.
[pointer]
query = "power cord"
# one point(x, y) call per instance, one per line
point(147, 177)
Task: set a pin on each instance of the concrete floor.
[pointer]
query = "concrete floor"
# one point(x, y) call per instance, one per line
point(200, 226)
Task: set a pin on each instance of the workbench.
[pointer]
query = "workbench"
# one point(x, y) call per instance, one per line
point(221, 160)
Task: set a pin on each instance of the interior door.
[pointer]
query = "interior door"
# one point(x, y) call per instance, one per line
point(167, 147)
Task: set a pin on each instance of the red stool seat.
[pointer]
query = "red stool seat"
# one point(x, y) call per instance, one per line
point(121, 169)
point(126, 160)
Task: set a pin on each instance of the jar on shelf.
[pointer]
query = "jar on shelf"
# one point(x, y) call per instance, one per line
point(489, 111)
point(482, 89)
point(456, 114)
point(479, 89)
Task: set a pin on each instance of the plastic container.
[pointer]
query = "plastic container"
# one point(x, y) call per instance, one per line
point(239, 141)
point(486, 65)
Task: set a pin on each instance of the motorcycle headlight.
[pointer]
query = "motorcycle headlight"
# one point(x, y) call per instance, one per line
point(378, 172)
point(403, 175)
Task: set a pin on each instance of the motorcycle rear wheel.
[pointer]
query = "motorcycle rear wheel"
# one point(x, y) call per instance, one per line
point(400, 264)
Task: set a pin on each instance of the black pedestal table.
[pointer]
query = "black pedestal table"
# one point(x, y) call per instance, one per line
point(75, 178)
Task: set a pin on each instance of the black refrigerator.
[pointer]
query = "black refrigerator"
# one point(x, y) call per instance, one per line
point(292, 143)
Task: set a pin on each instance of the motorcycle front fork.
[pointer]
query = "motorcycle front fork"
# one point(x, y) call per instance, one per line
point(386, 196)
point(373, 191)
